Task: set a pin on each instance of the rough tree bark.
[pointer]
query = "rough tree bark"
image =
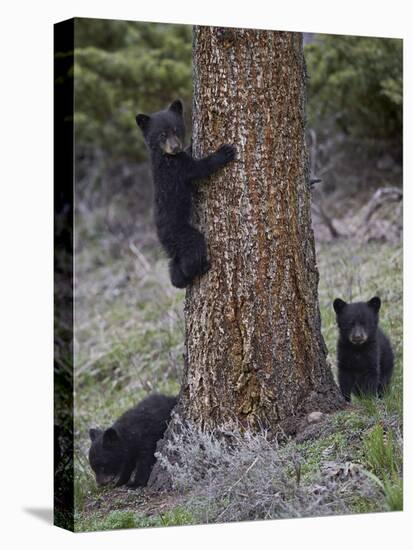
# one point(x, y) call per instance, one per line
point(254, 349)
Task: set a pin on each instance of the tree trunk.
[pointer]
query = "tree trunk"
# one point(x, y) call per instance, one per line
point(255, 353)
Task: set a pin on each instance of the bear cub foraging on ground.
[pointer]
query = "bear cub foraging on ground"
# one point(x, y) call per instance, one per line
point(174, 171)
point(364, 354)
point(124, 453)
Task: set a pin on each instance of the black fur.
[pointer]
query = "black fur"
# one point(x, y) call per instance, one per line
point(364, 354)
point(174, 171)
point(124, 453)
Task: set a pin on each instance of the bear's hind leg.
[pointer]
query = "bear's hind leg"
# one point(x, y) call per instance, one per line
point(193, 258)
point(142, 471)
point(384, 383)
point(346, 382)
point(367, 384)
point(178, 279)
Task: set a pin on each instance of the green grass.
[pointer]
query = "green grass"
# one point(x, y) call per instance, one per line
point(393, 491)
point(127, 519)
point(383, 457)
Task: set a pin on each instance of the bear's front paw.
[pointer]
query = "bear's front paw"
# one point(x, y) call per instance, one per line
point(132, 484)
point(205, 267)
point(227, 152)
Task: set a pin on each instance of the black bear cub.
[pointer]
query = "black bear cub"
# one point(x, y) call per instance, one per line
point(364, 354)
point(124, 453)
point(174, 171)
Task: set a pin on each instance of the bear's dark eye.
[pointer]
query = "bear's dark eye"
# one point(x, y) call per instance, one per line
point(162, 135)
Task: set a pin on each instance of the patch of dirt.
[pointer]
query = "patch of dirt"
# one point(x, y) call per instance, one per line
point(328, 401)
point(142, 501)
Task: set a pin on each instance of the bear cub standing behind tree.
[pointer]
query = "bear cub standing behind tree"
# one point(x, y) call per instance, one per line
point(364, 354)
point(174, 171)
point(125, 453)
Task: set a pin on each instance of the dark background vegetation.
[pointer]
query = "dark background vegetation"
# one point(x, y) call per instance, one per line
point(354, 96)
point(129, 319)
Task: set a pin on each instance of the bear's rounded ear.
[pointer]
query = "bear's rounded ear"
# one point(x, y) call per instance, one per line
point(176, 107)
point(110, 437)
point(93, 433)
point(339, 305)
point(374, 303)
point(142, 121)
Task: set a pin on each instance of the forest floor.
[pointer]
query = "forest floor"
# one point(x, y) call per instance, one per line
point(129, 342)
